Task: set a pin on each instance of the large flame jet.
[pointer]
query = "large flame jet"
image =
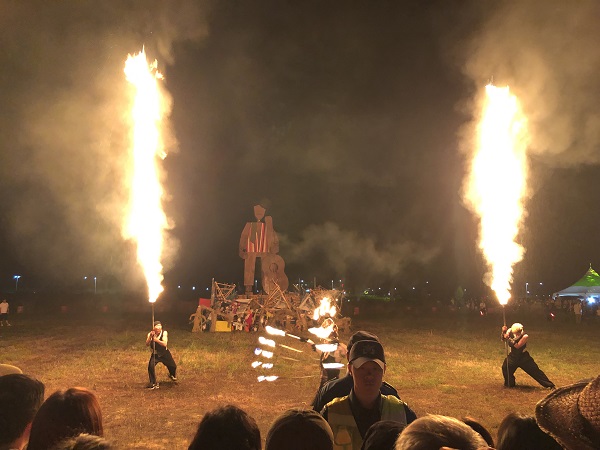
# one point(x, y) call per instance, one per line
point(146, 221)
point(497, 185)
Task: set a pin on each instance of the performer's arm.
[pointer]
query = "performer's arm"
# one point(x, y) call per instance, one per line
point(163, 342)
point(522, 341)
point(152, 338)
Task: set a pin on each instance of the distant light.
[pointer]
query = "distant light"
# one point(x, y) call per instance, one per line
point(178, 287)
point(193, 288)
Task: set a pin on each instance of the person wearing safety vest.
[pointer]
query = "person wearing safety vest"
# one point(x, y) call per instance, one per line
point(351, 416)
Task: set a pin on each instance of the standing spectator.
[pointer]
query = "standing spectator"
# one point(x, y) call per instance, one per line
point(20, 398)
point(482, 307)
point(227, 428)
point(66, 413)
point(157, 340)
point(351, 416)
point(300, 430)
point(521, 432)
point(4, 307)
point(519, 357)
point(577, 309)
point(342, 386)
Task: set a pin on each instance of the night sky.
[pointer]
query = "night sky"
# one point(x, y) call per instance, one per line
point(351, 122)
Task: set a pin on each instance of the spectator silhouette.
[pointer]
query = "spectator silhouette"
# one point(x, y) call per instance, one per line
point(6, 369)
point(434, 432)
point(20, 398)
point(521, 432)
point(66, 413)
point(479, 428)
point(300, 430)
point(227, 428)
point(84, 442)
point(382, 435)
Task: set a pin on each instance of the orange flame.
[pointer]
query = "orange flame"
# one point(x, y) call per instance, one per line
point(496, 186)
point(146, 220)
point(325, 308)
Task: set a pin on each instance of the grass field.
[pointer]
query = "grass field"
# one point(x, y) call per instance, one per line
point(445, 363)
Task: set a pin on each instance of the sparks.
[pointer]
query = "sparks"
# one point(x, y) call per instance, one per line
point(146, 220)
point(326, 348)
point(274, 331)
point(267, 342)
point(332, 365)
point(262, 378)
point(496, 186)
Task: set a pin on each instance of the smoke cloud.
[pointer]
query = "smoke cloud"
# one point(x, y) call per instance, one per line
point(64, 124)
point(547, 53)
point(357, 257)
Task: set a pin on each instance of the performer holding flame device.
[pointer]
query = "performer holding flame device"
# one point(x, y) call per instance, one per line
point(157, 340)
point(519, 357)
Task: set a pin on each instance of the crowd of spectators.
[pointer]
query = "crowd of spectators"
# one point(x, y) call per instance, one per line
point(355, 412)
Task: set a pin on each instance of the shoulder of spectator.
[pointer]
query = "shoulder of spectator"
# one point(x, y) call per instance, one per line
point(388, 389)
point(330, 390)
point(410, 414)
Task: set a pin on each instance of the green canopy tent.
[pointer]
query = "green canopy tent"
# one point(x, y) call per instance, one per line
point(586, 287)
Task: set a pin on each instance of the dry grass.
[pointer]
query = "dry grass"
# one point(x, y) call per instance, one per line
point(444, 363)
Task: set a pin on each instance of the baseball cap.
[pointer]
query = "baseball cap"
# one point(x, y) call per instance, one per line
point(364, 351)
point(361, 336)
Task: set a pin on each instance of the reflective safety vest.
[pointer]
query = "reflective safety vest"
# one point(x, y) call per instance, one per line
point(345, 431)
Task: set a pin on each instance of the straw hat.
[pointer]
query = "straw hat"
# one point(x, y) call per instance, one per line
point(571, 414)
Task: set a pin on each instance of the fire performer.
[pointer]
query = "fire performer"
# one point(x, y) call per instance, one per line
point(157, 340)
point(519, 357)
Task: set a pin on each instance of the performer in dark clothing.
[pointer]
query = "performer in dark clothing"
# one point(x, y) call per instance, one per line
point(519, 357)
point(157, 340)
